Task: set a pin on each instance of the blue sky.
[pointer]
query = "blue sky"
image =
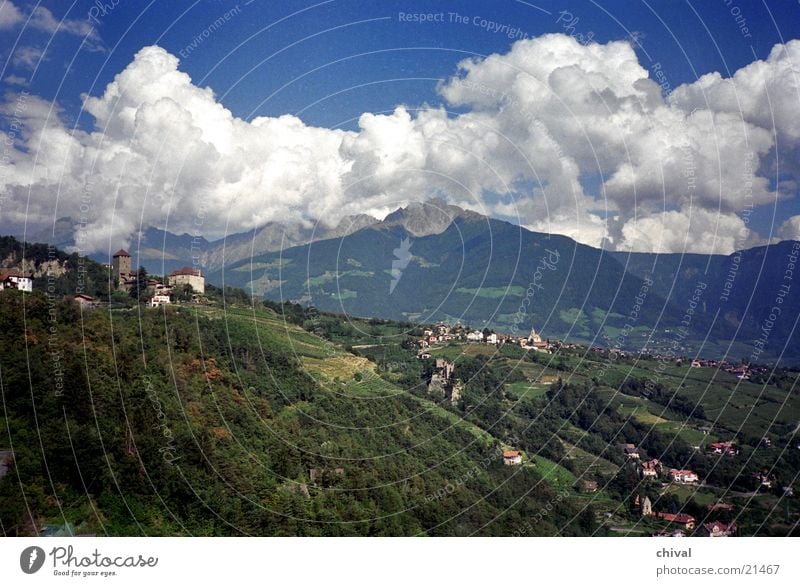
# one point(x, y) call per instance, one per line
point(329, 62)
point(250, 65)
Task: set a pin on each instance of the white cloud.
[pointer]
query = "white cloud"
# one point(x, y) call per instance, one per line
point(10, 15)
point(790, 229)
point(559, 134)
point(687, 230)
point(43, 19)
point(27, 57)
point(15, 80)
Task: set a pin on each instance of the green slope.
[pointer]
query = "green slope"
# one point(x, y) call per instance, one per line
point(208, 422)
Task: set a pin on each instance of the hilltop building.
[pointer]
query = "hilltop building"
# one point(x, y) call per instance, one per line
point(160, 299)
point(121, 270)
point(188, 276)
point(14, 279)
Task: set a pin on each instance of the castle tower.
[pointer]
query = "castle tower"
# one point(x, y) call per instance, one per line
point(121, 266)
point(534, 337)
point(647, 507)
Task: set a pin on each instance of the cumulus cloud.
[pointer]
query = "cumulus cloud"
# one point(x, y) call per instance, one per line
point(687, 230)
point(561, 136)
point(790, 229)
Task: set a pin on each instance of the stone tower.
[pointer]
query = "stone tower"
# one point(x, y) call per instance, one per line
point(121, 266)
point(647, 507)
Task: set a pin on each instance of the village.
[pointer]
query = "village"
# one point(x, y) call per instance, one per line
point(443, 333)
point(186, 284)
point(652, 472)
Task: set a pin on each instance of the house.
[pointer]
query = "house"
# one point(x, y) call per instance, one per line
point(14, 279)
point(720, 506)
point(725, 448)
point(684, 520)
point(491, 338)
point(718, 529)
point(651, 468)
point(696, 364)
point(160, 299)
point(631, 451)
point(683, 476)
point(589, 486)
point(423, 355)
point(188, 276)
point(512, 458)
point(475, 336)
point(542, 346)
point(84, 301)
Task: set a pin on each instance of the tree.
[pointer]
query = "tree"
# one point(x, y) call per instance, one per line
point(182, 293)
point(139, 289)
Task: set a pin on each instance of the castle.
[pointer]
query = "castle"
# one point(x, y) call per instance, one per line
point(121, 270)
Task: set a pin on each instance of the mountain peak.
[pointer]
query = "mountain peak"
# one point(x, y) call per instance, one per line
point(428, 217)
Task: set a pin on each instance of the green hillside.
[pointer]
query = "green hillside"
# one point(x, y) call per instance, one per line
point(208, 422)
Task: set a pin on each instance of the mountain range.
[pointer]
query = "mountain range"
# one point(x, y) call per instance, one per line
point(434, 261)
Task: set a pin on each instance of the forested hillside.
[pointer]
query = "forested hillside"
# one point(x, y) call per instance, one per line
point(203, 422)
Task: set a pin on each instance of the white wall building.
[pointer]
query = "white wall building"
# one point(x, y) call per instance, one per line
point(14, 279)
point(188, 276)
point(159, 300)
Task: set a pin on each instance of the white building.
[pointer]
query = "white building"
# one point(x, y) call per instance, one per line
point(491, 338)
point(475, 336)
point(188, 276)
point(683, 476)
point(159, 300)
point(14, 279)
